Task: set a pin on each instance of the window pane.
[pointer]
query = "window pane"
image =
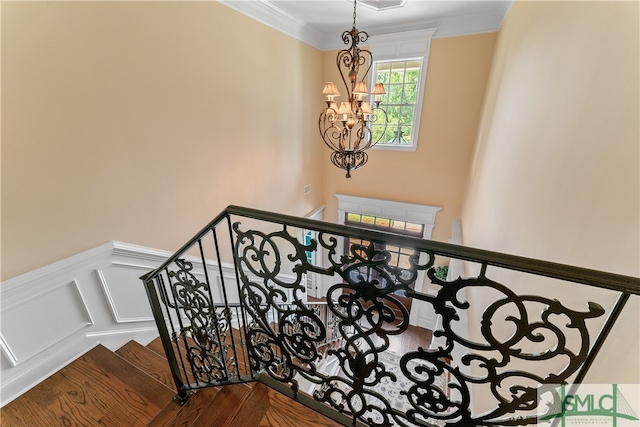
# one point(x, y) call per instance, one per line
point(394, 259)
point(401, 79)
point(406, 115)
point(368, 219)
point(412, 76)
point(410, 94)
point(389, 135)
point(384, 99)
point(393, 115)
point(383, 222)
point(414, 227)
point(378, 117)
point(353, 217)
point(377, 133)
point(414, 65)
point(395, 94)
point(407, 251)
point(402, 138)
point(404, 261)
point(406, 133)
point(384, 67)
point(392, 248)
point(397, 77)
point(398, 224)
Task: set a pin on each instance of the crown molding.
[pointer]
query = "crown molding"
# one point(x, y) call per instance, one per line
point(479, 23)
point(269, 14)
point(266, 12)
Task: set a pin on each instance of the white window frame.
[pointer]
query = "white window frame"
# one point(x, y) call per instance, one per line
point(408, 45)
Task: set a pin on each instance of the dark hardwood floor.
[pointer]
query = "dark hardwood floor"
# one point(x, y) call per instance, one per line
point(133, 387)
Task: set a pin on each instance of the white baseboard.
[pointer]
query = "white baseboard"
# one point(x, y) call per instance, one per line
point(52, 315)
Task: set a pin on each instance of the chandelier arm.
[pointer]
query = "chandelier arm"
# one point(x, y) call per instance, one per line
point(345, 59)
point(329, 140)
point(331, 135)
point(364, 135)
point(364, 53)
point(374, 118)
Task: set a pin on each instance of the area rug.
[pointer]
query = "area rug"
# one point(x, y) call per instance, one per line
point(391, 389)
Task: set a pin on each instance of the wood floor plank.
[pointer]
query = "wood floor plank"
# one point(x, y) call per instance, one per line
point(156, 347)
point(286, 412)
point(77, 404)
point(93, 393)
point(253, 410)
point(225, 406)
point(23, 411)
point(174, 415)
point(102, 388)
point(148, 362)
point(140, 388)
point(90, 397)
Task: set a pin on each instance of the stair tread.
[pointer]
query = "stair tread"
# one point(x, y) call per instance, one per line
point(114, 366)
point(156, 347)
point(286, 412)
point(225, 406)
point(255, 407)
point(175, 415)
point(148, 362)
point(98, 388)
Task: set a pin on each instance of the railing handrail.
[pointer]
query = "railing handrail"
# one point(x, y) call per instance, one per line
point(590, 277)
point(222, 215)
point(209, 347)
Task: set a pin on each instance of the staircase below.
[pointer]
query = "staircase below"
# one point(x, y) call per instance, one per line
point(133, 387)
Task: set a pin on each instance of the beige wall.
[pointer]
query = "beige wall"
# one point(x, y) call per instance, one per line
point(437, 172)
point(556, 169)
point(140, 121)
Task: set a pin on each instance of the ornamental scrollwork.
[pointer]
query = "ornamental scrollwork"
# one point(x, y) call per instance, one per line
point(288, 339)
point(204, 328)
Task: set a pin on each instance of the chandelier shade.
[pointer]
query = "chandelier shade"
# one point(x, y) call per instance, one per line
point(346, 129)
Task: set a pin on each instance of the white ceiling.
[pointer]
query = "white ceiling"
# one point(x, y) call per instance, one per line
point(320, 23)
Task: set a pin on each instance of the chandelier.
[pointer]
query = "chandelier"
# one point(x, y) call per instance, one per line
point(347, 130)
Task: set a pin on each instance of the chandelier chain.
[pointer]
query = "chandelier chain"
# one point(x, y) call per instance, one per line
point(354, 13)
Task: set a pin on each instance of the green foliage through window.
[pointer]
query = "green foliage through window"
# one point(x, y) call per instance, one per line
point(401, 80)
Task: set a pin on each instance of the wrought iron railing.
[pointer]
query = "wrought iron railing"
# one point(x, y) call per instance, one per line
point(231, 307)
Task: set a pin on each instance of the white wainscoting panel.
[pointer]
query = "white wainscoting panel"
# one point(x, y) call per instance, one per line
point(29, 329)
point(52, 315)
point(123, 299)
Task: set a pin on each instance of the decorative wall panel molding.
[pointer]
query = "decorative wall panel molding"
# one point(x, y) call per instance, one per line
point(52, 315)
point(29, 328)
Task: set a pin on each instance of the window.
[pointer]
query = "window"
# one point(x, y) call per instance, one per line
point(401, 65)
point(399, 255)
point(401, 80)
point(413, 219)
